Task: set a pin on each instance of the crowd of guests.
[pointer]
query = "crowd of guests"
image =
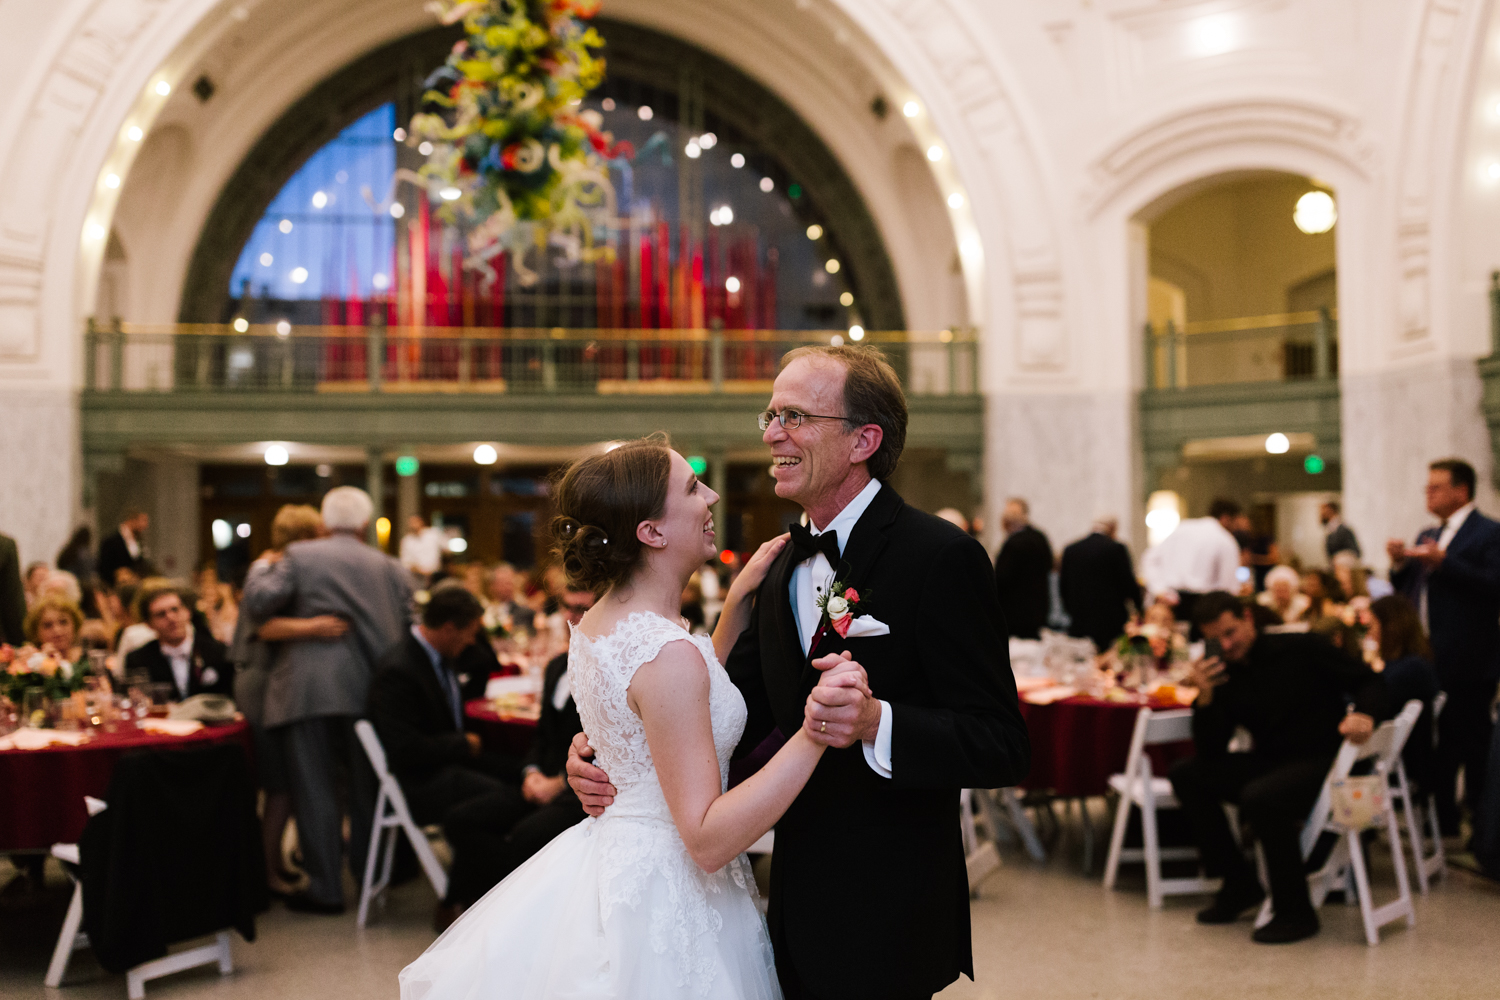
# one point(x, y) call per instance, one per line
point(1301, 658)
point(323, 631)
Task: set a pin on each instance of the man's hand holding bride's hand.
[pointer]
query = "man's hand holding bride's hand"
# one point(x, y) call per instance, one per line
point(841, 711)
point(589, 783)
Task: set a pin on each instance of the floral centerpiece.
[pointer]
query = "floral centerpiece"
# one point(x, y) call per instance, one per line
point(30, 669)
point(1148, 648)
point(509, 143)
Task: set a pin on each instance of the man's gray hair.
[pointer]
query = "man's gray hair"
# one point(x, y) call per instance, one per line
point(347, 508)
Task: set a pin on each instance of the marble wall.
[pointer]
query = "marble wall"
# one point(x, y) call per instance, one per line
point(39, 469)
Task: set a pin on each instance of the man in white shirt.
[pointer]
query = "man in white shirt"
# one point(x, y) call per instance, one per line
point(1200, 556)
point(421, 548)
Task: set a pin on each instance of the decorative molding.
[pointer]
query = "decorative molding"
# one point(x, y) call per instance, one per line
point(976, 89)
point(1278, 121)
point(70, 89)
point(1430, 83)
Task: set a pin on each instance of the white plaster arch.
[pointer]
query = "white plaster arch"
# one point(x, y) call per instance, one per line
point(93, 79)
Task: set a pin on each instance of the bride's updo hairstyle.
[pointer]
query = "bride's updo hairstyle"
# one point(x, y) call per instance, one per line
point(600, 502)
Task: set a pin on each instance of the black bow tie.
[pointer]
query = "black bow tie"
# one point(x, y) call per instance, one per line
point(805, 544)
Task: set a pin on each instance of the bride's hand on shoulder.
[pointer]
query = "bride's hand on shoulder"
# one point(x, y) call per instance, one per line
point(757, 566)
point(588, 782)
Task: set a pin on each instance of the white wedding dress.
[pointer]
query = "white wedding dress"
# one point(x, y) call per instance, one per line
point(615, 907)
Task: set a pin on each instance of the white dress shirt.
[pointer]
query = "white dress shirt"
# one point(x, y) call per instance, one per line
point(1200, 556)
point(1455, 521)
point(180, 658)
point(814, 575)
point(422, 551)
point(132, 544)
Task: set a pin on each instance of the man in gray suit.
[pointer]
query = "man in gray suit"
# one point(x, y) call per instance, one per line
point(318, 687)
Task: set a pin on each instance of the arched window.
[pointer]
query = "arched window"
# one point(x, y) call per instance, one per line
point(726, 216)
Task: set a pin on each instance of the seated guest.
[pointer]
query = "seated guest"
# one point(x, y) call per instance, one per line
point(1407, 669)
point(187, 657)
point(1292, 693)
point(494, 834)
point(505, 609)
point(416, 707)
point(1282, 595)
point(52, 625)
point(1324, 597)
point(32, 580)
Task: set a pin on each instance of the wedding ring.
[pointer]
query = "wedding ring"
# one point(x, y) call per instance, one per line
point(824, 727)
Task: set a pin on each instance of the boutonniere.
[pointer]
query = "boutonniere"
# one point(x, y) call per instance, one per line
point(839, 604)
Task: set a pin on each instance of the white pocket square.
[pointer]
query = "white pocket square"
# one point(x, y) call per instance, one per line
point(865, 626)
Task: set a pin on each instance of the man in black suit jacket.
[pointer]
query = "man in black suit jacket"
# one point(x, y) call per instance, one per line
point(1098, 585)
point(188, 658)
point(1023, 573)
point(869, 893)
point(1337, 536)
point(1452, 575)
point(12, 594)
point(124, 548)
point(490, 836)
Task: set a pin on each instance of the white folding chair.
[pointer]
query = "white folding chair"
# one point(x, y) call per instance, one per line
point(1347, 857)
point(1139, 788)
point(72, 938)
point(392, 817)
point(1432, 866)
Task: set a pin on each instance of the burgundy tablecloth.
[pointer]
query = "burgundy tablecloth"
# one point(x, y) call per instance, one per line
point(41, 791)
point(510, 734)
point(1077, 743)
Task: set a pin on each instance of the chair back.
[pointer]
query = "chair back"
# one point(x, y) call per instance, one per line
point(1153, 727)
point(1405, 721)
point(373, 749)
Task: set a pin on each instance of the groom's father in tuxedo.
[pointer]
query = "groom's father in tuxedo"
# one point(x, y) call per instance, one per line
point(869, 893)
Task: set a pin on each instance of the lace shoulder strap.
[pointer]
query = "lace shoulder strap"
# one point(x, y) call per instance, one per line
point(639, 638)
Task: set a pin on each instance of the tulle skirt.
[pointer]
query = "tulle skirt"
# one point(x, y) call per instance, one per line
point(611, 909)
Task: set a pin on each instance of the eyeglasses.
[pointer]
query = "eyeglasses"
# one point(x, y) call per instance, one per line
point(791, 418)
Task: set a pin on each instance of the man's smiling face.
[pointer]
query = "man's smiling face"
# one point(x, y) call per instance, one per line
point(810, 461)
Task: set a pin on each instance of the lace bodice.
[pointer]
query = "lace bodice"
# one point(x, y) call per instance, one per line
point(602, 670)
point(639, 846)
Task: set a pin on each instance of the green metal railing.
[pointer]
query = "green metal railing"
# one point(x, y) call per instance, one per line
point(135, 358)
point(1286, 347)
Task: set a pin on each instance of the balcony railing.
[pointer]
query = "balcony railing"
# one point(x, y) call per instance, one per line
point(135, 358)
point(1281, 348)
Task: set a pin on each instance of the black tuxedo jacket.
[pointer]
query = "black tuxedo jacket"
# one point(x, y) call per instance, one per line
point(869, 893)
point(412, 715)
point(1022, 572)
point(1096, 581)
point(555, 728)
point(113, 554)
point(209, 669)
point(1463, 603)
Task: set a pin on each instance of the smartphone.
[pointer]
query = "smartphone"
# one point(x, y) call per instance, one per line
point(1212, 648)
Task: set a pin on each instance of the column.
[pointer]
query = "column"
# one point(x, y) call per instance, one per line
point(718, 481)
point(375, 486)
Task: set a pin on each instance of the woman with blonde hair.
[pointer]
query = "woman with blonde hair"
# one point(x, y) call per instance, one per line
point(253, 654)
point(52, 625)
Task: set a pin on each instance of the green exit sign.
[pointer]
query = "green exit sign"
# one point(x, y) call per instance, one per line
point(407, 465)
point(698, 464)
point(1313, 464)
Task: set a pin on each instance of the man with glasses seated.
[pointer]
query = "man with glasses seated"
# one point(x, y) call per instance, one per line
point(494, 833)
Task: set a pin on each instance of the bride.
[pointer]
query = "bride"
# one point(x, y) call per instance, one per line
point(655, 898)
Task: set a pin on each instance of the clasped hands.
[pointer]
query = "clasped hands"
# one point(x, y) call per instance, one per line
point(840, 712)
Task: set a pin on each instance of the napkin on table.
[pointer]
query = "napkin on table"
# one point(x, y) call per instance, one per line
point(170, 727)
point(28, 738)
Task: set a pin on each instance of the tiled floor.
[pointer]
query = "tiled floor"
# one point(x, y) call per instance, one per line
point(1038, 932)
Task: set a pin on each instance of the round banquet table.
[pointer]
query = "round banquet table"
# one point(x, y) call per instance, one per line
point(43, 789)
point(510, 734)
point(1078, 742)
